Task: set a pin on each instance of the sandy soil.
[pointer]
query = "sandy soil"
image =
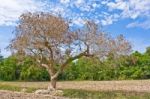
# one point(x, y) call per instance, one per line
point(19, 95)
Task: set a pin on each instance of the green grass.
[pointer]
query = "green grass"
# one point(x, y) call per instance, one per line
point(15, 88)
point(8, 87)
point(31, 90)
point(81, 94)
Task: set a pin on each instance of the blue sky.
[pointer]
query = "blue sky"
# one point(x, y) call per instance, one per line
point(128, 17)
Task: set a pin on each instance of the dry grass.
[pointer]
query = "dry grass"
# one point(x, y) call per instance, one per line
point(131, 85)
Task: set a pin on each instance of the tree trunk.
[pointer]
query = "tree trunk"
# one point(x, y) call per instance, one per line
point(54, 76)
point(53, 83)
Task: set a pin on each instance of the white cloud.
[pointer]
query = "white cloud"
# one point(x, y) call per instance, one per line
point(118, 5)
point(109, 19)
point(131, 8)
point(78, 2)
point(145, 24)
point(104, 2)
point(64, 1)
point(76, 10)
point(79, 21)
point(10, 10)
point(114, 11)
point(58, 10)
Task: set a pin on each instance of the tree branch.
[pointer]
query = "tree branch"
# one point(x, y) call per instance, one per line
point(44, 65)
point(85, 53)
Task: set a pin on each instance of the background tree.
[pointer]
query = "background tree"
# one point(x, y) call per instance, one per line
point(8, 69)
point(53, 44)
point(1, 57)
point(148, 50)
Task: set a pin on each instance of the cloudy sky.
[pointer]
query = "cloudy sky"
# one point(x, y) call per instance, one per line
point(128, 17)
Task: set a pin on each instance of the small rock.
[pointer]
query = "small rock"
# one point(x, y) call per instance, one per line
point(42, 92)
point(24, 90)
point(57, 93)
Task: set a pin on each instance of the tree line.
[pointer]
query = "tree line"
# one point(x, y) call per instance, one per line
point(133, 66)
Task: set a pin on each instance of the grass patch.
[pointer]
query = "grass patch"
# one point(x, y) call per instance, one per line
point(16, 88)
point(8, 87)
point(31, 90)
point(81, 94)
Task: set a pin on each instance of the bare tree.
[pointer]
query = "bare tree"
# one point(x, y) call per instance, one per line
point(53, 44)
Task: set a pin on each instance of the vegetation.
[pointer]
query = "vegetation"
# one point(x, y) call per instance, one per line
point(8, 87)
point(134, 66)
point(81, 94)
point(16, 88)
point(27, 71)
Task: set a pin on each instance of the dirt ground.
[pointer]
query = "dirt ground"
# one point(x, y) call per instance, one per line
point(19, 95)
point(130, 85)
